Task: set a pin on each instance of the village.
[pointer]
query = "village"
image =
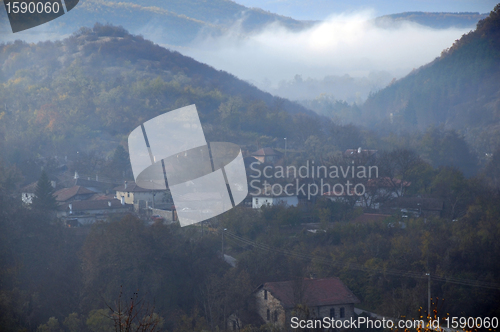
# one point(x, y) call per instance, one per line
point(83, 201)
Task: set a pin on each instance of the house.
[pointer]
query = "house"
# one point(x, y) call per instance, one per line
point(75, 193)
point(415, 206)
point(28, 192)
point(88, 212)
point(361, 156)
point(259, 201)
point(266, 155)
point(135, 195)
point(269, 195)
point(95, 185)
point(277, 302)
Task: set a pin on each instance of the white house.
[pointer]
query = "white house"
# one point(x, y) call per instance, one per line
point(89, 211)
point(131, 193)
point(259, 201)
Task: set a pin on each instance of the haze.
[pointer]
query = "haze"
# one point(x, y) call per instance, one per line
point(343, 44)
point(320, 9)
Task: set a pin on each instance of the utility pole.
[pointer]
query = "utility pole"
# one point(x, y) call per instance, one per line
point(429, 295)
point(285, 150)
point(223, 242)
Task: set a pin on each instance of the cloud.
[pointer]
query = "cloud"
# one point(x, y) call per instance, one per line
point(344, 44)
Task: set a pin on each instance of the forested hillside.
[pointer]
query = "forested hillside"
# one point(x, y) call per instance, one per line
point(433, 20)
point(171, 22)
point(460, 90)
point(90, 90)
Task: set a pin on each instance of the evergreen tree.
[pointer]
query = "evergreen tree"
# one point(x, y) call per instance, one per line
point(44, 198)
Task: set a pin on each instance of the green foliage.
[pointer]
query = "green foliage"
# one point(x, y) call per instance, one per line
point(73, 322)
point(100, 320)
point(44, 199)
point(110, 81)
point(457, 90)
point(51, 326)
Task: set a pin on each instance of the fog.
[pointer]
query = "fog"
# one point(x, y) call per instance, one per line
point(346, 57)
point(343, 45)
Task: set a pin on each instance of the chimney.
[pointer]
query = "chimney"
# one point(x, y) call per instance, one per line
point(359, 150)
point(76, 175)
point(97, 178)
point(125, 184)
point(70, 208)
point(53, 184)
point(109, 203)
point(122, 200)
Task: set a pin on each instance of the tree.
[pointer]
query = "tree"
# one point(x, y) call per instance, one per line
point(44, 194)
point(51, 326)
point(135, 315)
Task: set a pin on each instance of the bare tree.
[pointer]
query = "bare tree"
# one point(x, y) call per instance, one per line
point(135, 315)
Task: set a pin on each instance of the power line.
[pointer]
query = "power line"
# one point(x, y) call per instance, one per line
point(360, 267)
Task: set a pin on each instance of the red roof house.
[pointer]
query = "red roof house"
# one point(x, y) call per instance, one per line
point(329, 297)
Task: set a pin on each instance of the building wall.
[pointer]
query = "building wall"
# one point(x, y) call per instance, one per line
point(284, 316)
point(27, 198)
point(258, 201)
point(273, 304)
point(324, 311)
point(135, 197)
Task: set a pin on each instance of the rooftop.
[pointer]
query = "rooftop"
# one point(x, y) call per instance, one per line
point(133, 187)
point(64, 194)
point(315, 292)
point(265, 152)
point(93, 205)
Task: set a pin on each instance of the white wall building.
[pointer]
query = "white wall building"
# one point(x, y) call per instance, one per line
point(259, 201)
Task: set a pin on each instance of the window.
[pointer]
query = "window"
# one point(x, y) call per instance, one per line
point(256, 201)
point(268, 315)
point(342, 312)
point(265, 294)
point(275, 316)
point(234, 325)
point(332, 312)
point(128, 194)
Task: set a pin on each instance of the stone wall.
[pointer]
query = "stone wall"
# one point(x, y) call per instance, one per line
point(273, 305)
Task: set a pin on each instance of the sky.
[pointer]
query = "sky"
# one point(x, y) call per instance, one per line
point(344, 44)
point(321, 9)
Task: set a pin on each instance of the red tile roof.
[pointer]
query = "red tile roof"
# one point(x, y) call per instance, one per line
point(132, 187)
point(265, 152)
point(65, 194)
point(93, 205)
point(316, 292)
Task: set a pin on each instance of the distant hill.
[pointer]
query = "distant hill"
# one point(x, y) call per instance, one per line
point(172, 22)
point(176, 22)
point(459, 90)
point(90, 90)
point(432, 20)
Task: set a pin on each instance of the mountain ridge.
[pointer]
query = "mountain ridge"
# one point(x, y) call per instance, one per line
point(460, 89)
